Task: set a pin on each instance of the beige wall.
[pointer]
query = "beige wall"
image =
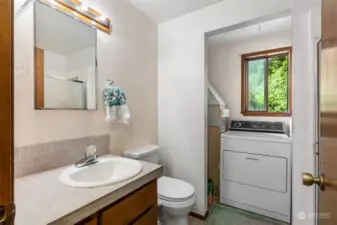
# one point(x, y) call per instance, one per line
point(128, 56)
point(224, 65)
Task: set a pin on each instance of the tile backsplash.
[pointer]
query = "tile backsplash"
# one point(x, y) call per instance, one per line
point(46, 156)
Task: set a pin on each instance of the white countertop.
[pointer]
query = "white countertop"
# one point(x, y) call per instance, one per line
point(42, 199)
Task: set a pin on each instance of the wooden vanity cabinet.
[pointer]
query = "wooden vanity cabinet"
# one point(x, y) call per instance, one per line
point(93, 221)
point(138, 208)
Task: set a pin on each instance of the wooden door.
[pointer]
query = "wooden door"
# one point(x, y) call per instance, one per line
point(6, 112)
point(327, 198)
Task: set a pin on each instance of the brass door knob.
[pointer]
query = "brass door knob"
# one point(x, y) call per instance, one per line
point(308, 180)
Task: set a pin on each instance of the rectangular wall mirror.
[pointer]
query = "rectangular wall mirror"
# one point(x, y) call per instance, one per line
point(65, 61)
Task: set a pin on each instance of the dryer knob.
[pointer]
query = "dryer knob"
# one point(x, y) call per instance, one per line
point(237, 124)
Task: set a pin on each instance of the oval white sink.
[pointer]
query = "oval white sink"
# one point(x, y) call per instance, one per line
point(106, 171)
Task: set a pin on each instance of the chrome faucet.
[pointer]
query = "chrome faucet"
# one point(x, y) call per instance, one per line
point(89, 158)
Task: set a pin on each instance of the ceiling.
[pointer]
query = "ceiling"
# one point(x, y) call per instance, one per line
point(254, 31)
point(165, 10)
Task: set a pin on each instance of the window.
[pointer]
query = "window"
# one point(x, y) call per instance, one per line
point(266, 83)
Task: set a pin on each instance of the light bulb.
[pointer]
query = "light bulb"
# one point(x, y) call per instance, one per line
point(83, 8)
point(102, 18)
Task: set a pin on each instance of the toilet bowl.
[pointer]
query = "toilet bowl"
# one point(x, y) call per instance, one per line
point(176, 197)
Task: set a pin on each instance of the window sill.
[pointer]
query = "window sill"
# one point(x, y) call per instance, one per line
point(266, 114)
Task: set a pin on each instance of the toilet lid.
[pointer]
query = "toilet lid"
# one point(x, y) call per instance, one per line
point(174, 190)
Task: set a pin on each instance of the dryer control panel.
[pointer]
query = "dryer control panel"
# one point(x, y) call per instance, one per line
point(258, 126)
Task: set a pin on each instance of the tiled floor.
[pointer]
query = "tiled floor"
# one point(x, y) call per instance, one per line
point(224, 215)
point(195, 221)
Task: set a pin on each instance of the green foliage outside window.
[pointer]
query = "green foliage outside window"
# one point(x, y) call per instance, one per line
point(277, 84)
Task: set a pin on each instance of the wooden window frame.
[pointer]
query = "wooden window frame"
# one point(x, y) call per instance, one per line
point(244, 82)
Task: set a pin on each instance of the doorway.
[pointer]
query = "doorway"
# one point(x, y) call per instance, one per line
point(261, 50)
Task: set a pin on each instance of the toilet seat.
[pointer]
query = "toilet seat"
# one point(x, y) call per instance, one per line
point(180, 204)
point(174, 190)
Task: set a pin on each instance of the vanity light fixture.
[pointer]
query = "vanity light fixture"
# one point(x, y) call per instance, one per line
point(82, 12)
point(83, 8)
point(102, 18)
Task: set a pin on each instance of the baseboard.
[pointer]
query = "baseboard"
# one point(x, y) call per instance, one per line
point(198, 216)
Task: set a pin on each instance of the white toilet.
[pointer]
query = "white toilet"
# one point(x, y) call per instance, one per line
point(176, 197)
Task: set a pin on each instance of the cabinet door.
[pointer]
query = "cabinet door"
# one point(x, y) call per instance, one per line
point(89, 221)
point(150, 218)
point(129, 209)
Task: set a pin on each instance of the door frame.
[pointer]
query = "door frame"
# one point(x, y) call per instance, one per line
point(317, 123)
point(6, 107)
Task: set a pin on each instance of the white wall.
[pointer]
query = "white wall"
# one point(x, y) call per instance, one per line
point(81, 59)
point(224, 68)
point(211, 99)
point(182, 90)
point(128, 56)
point(55, 63)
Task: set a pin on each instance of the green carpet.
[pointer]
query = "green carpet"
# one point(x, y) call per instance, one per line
point(225, 215)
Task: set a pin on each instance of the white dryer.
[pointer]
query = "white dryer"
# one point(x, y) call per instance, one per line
point(256, 168)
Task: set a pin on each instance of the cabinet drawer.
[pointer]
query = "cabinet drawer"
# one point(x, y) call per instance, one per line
point(132, 207)
point(255, 170)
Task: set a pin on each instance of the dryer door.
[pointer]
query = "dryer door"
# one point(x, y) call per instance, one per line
point(255, 170)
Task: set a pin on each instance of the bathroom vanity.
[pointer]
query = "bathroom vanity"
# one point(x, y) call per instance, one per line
point(42, 199)
point(138, 208)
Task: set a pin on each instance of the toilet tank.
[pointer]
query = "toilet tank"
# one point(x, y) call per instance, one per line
point(148, 153)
